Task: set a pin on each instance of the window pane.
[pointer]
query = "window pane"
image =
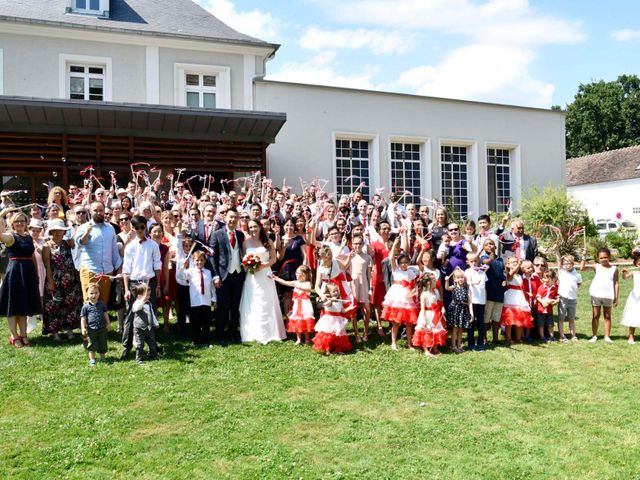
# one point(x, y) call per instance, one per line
point(76, 69)
point(95, 89)
point(193, 79)
point(209, 80)
point(209, 100)
point(96, 70)
point(94, 4)
point(76, 86)
point(81, 4)
point(193, 99)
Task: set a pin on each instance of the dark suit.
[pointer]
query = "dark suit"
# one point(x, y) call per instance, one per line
point(230, 292)
point(508, 242)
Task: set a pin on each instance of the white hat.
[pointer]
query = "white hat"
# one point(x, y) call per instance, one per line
point(35, 223)
point(56, 224)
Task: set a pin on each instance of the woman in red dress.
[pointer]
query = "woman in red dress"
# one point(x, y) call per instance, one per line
point(379, 250)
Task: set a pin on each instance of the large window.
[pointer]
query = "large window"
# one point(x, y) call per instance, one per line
point(352, 166)
point(85, 82)
point(405, 170)
point(200, 90)
point(498, 179)
point(454, 178)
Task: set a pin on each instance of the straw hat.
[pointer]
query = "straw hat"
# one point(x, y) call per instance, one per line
point(56, 224)
point(35, 223)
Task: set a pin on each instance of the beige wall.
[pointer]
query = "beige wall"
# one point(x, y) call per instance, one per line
point(305, 148)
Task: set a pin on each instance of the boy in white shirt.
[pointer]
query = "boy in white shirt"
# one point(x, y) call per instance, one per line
point(569, 280)
point(476, 279)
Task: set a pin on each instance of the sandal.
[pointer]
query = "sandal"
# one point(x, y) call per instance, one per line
point(16, 342)
point(25, 341)
point(381, 332)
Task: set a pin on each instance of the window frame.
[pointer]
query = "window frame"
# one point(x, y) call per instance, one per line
point(66, 60)
point(421, 150)
point(223, 83)
point(366, 190)
point(201, 89)
point(467, 180)
point(501, 202)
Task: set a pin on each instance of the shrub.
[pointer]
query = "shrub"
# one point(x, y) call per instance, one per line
point(623, 242)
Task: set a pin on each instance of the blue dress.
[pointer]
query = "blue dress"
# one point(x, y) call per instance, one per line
point(19, 295)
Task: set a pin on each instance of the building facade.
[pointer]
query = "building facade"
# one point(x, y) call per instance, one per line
point(164, 82)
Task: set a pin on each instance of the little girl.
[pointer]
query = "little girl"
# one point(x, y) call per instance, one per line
point(603, 291)
point(430, 332)
point(399, 305)
point(330, 271)
point(361, 266)
point(331, 334)
point(631, 314)
point(426, 265)
point(460, 311)
point(300, 318)
point(516, 311)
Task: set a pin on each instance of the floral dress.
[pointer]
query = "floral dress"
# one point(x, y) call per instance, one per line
point(62, 307)
point(458, 314)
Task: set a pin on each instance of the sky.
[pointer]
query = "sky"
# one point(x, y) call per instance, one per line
point(531, 53)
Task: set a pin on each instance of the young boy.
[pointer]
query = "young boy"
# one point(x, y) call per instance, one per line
point(201, 295)
point(476, 279)
point(546, 298)
point(144, 321)
point(495, 286)
point(95, 324)
point(569, 280)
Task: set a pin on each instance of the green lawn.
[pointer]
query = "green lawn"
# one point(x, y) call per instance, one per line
point(283, 411)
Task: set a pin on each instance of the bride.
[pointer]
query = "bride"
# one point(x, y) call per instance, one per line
point(260, 316)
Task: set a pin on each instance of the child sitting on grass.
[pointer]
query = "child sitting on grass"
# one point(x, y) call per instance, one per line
point(95, 324)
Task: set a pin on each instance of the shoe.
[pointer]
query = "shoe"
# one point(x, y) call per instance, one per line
point(631, 341)
point(124, 355)
point(608, 340)
point(593, 339)
point(16, 342)
point(575, 339)
point(139, 361)
point(25, 341)
point(565, 340)
point(92, 363)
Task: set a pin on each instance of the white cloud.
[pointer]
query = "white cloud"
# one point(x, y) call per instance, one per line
point(481, 72)
point(262, 25)
point(626, 35)
point(321, 70)
point(379, 42)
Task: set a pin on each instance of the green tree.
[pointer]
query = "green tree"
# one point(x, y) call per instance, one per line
point(604, 116)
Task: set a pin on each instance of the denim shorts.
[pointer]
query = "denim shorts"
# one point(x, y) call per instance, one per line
point(567, 308)
point(601, 302)
point(544, 319)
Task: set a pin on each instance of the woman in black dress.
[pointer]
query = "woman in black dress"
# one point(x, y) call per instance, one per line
point(19, 295)
point(291, 254)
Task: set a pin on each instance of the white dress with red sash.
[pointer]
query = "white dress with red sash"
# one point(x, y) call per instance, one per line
point(301, 319)
point(515, 309)
point(331, 330)
point(431, 330)
point(335, 275)
point(400, 305)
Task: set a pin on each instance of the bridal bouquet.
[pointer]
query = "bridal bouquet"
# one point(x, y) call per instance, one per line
point(251, 262)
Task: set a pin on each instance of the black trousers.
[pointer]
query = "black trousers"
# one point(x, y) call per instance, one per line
point(182, 308)
point(228, 313)
point(127, 328)
point(478, 322)
point(200, 321)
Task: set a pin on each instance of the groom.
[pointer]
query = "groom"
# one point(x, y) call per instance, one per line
point(228, 277)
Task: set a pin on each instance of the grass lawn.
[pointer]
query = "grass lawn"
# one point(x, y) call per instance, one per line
point(284, 411)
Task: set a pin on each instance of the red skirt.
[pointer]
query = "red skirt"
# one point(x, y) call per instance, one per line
point(301, 326)
point(516, 317)
point(333, 343)
point(399, 315)
point(429, 338)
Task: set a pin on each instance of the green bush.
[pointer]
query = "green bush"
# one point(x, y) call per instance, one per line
point(623, 242)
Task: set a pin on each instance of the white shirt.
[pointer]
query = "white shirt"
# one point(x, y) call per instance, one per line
point(476, 280)
point(180, 257)
point(480, 239)
point(141, 259)
point(568, 283)
point(192, 277)
point(235, 266)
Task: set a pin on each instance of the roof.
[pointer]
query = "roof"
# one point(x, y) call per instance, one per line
point(174, 18)
point(610, 166)
point(24, 114)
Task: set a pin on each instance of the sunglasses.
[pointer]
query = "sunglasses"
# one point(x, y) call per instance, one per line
point(539, 265)
point(454, 229)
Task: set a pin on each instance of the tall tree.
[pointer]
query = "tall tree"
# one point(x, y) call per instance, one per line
point(604, 116)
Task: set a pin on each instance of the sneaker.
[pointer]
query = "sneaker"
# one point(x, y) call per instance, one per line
point(139, 361)
point(631, 341)
point(608, 340)
point(575, 339)
point(565, 339)
point(593, 339)
point(92, 363)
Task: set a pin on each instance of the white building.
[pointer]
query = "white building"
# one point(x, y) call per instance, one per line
point(607, 183)
point(163, 81)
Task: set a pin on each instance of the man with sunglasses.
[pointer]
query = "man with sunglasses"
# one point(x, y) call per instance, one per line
point(141, 264)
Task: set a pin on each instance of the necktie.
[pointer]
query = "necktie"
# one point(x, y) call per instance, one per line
point(206, 233)
point(232, 238)
point(517, 247)
point(201, 282)
point(143, 240)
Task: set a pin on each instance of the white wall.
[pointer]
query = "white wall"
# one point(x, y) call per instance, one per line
point(304, 147)
point(605, 200)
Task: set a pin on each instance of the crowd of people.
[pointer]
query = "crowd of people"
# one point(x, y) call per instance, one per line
point(259, 262)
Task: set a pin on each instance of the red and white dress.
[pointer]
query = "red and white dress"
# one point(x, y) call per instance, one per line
point(430, 331)
point(301, 319)
point(331, 330)
point(516, 310)
point(399, 305)
point(335, 275)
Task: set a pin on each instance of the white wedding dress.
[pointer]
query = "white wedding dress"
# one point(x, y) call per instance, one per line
point(260, 315)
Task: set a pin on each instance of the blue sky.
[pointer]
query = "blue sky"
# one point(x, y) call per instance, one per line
point(533, 53)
